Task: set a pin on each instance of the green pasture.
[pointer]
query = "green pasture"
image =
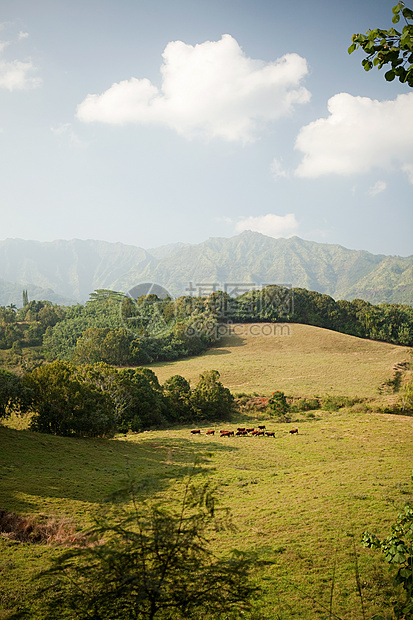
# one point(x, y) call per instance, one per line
point(300, 501)
point(300, 360)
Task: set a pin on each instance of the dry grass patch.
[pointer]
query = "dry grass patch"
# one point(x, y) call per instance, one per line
point(301, 361)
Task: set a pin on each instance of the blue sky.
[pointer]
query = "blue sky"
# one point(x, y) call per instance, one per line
point(162, 121)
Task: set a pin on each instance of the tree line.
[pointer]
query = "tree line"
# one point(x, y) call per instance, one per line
point(121, 331)
point(98, 400)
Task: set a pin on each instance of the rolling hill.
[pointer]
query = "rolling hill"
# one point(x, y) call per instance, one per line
point(300, 360)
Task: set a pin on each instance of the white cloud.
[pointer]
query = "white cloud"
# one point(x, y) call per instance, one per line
point(377, 188)
point(408, 169)
point(3, 45)
point(210, 90)
point(23, 35)
point(66, 130)
point(359, 134)
point(271, 225)
point(15, 75)
point(277, 170)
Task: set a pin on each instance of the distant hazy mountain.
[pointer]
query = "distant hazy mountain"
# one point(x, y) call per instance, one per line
point(73, 269)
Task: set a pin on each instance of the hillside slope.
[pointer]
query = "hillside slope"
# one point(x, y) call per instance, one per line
point(73, 269)
point(301, 360)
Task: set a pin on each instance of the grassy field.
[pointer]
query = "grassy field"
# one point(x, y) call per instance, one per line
point(301, 360)
point(299, 501)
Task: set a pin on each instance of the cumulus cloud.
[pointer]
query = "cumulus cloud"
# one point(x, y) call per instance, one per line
point(377, 188)
point(359, 134)
point(16, 75)
point(271, 225)
point(210, 90)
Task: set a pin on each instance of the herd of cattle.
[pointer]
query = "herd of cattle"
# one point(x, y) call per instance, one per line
point(244, 432)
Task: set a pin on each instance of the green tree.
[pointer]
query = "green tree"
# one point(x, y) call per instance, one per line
point(177, 394)
point(211, 400)
point(13, 396)
point(64, 404)
point(154, 563)
point(389, 47)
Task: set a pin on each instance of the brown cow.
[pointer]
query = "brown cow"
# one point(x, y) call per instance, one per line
point(210, 432)
point(242, 428)
point(262, 428)
point(197, 432)
point(270, 434)
point(249, 430)
point(294, 431)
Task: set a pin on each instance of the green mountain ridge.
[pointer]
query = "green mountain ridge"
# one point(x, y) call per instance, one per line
point(73, 269)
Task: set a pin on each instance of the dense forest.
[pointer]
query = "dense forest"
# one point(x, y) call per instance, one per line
point(121, 331)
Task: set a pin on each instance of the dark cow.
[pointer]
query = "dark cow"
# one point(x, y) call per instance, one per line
point(242, 428)
point(227, 433)
point(249, 430)
point(210, 432)
point(294, 431)
point(270, 434)
point(197, 432)
point(262, 428)
point(241, 433)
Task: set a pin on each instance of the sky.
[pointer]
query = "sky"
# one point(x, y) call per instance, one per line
point(163, 121)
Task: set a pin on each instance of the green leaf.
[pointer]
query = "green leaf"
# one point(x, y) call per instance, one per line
point(396, 19)
point(352, 47)
point(389, 75)
point(407, 13)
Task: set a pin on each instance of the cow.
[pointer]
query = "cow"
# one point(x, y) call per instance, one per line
point(242, 428)
point(241, 433)
point(210, 432)
point(294, 431)
point(262, 428)
point(249, 430)
point(197, 432)
point(227, 433)
point(270, 434)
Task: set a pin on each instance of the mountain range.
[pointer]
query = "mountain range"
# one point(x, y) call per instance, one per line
point(67, 272)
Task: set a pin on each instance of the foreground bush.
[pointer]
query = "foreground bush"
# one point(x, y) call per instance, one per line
point(153, 563)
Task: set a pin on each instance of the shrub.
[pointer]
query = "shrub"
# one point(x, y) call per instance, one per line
point(154, 561)
point(397, 549)
point(278, 406)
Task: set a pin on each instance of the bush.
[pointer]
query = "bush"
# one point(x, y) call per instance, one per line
point(278, 406)
point(304, 404)
point(397, 549)
point(153, 561)
point(210, 399)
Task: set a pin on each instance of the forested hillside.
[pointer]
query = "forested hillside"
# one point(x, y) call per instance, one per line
point(72, 269)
